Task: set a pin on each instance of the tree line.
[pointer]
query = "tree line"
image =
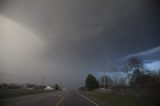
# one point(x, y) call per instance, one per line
point(138, 77)
point(26, 86)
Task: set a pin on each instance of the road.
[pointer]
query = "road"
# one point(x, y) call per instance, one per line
point(59, 98)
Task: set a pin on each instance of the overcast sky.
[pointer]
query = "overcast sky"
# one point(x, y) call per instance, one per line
point(64, 40)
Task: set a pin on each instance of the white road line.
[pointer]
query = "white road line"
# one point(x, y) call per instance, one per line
point(88, 99)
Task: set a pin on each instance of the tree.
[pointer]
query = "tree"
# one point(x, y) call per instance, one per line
point(4, 86)
point(57, 87)
point(145, 80)
point(91, 82)
point(135, 64)
point(108, 81)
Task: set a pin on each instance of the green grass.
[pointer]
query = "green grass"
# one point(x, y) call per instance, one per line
point(9, 93)
point(117, 100)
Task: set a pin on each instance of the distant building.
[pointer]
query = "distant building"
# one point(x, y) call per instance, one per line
point(64, 89)
point(48, 88)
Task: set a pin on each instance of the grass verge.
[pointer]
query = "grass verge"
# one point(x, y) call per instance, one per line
point(117, 100)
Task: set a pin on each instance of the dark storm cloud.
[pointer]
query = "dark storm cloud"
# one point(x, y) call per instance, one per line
point(84, 35)
point(147, 57)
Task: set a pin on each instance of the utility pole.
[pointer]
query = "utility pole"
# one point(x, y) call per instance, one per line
point(104, 81)
point(43, 79)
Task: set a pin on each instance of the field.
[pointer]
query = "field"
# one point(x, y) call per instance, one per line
point(9, 93)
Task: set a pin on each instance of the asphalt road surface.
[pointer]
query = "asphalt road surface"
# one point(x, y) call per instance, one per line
point(60, 98)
